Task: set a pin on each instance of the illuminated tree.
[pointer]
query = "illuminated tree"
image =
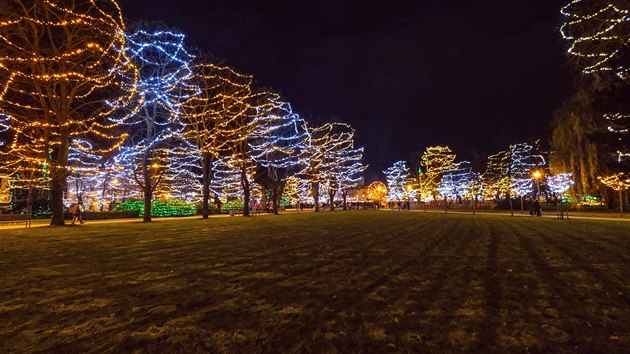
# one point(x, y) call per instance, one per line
point(435, 159)
point(598, 31)
point(559, 184)
point(377, 191)
point(237, 134)
point(350, 169)
point(226, 182)
point(26, 170)
point(329, 146)
point(397, 176)
point(278, 144)
point(209, 115)
point(63, 73)
point(619, 182)
point(85, 173)
point(496, 178)
point(456, 181)
point(523, 160)
point(337, 156)
point(164, 85)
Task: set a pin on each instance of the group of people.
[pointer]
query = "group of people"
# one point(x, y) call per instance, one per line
point(535, 208)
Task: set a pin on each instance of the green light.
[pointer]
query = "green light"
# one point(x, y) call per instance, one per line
point(159, 208)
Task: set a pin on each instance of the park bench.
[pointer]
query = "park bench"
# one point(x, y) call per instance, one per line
point(16, 219)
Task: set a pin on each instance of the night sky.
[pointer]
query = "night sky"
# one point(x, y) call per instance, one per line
point(476, 75)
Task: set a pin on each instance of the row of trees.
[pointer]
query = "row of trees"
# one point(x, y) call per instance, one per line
point(89, 102)
point(440, 176)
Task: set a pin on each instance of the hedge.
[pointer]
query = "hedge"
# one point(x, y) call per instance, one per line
point(159, 208)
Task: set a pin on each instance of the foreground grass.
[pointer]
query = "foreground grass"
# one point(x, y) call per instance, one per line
point(331, 282)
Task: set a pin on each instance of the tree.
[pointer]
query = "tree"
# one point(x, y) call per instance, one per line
point(559, 184)
point(278, 144)
point(496, 178)
point(350, 169)
point(85, 173)
point(237, 134)
point(333, 149)
point(598, 31)
point(523, 161)
point(63, 73)
point(397, 176)
point(209, 115)
point(456, 181)
point(619, 182)
point(573, 142)
point(329, 144)
point(377, 191)
point(435, 159)
point(155, 128)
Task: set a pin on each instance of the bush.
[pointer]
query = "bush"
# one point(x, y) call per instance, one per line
point(159, 208)
point(236, 205)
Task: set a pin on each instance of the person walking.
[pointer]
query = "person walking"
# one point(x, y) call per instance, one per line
point(538, 207)
point(76, 214)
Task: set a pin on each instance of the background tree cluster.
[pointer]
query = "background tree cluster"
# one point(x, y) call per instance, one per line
point(591, 130)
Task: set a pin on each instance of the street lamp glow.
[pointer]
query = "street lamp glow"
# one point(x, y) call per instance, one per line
point(537, 174)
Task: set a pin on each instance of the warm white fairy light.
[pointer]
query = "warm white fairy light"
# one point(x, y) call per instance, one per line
point(66, 86)
point(599, 35)
point(435, 159)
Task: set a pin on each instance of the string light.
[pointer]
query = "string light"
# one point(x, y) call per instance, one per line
point(560, 183)
point(435, 159)
point(377, 191)
point(598, 35)
point(157, 154)
point(397, 176)
point(456, 181)
point(65, 86)
point(619, 182)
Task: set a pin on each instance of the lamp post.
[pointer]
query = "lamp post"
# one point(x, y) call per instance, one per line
point(537, 174)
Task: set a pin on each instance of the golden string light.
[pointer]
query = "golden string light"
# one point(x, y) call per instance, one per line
point(64, 74)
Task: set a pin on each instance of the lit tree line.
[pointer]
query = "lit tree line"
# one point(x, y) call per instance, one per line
point(520, 171)
point(90, 106)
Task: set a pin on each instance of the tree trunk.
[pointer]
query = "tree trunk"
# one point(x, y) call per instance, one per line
point(274, 199)
point(58, 180)
point(57, 186)
point(246, 196)
point(29, 201)
point(345, 199)
point(316, 195)
point(621, 201)
point(331, 199)
point(148, 190)
point(205, 165)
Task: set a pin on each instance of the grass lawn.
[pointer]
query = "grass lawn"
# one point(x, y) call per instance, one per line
point(360, 281)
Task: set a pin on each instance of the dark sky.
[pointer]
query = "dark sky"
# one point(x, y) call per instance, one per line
point(476, 75)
